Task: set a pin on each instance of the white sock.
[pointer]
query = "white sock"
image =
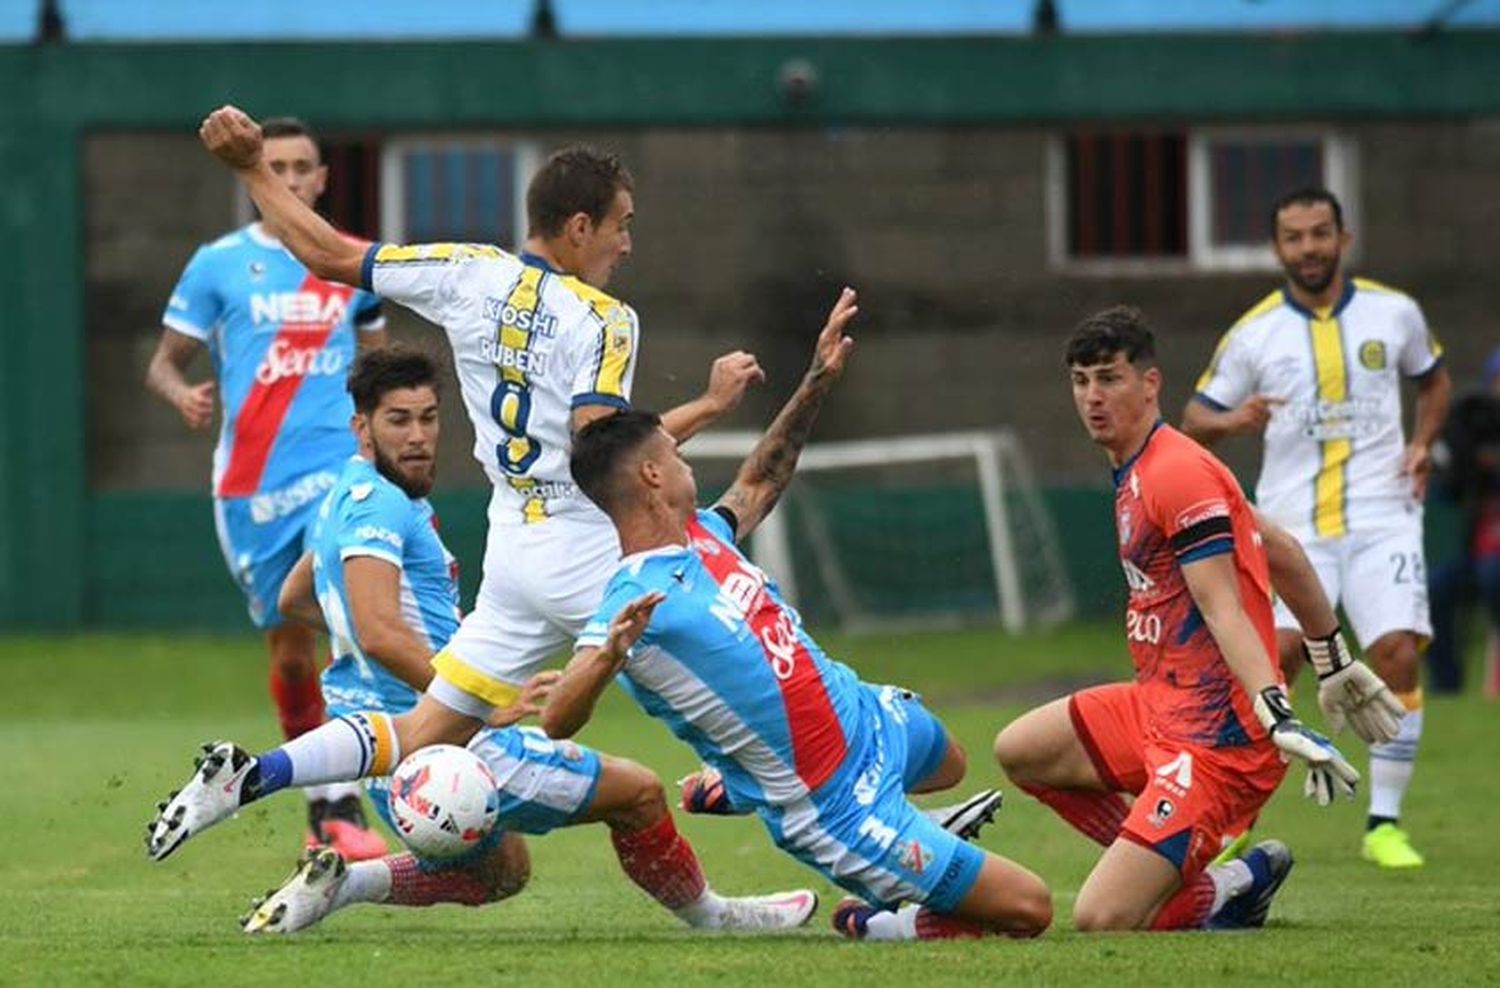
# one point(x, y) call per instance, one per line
point(898, 925)
point(1391, 766)
point(705, 912)
point(1229, 880)
point(343, 749)
point(366, 881)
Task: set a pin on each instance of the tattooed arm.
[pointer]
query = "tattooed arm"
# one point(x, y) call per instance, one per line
point(768, 469)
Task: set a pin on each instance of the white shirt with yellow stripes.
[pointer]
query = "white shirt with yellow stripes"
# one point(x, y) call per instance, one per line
point(1333, 452)
point(530, 344)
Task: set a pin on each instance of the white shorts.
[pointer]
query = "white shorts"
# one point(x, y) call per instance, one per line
point(1378, 577)
point(542, 583)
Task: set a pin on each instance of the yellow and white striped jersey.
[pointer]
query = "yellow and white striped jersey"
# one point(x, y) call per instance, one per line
point(1333, 452)
point(530, 344)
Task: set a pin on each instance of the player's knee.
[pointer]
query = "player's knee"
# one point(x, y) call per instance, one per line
point(645, 798)
point(1013, 753)
point(1031, 913)
point(508, 882)
point(1102, 917)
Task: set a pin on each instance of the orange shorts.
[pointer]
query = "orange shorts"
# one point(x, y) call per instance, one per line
point(1187, 796)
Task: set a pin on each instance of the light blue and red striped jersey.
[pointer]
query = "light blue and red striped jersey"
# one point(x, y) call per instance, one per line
point(282, 342)
point(726, 663)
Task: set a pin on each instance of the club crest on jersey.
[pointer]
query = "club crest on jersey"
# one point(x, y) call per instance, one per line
point(916, 857)
point(1372, 355)
point(257, 270)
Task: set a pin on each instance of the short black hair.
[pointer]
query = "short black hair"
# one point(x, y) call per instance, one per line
point(290, 127)
point(601, 446)
point(380, 371)
point(1308, 195)
point(576, 179)
point(1118, 329)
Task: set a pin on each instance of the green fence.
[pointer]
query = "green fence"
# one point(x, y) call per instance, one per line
point(155, 562)
point(62, 563)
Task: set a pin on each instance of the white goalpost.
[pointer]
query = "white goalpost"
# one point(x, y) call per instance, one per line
point(1002, 558)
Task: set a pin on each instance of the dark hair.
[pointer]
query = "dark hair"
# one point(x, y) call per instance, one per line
point(577, 179)
point(601, 446)
point(1309, 195)
point(378, 372)
point(1118, 329)
point(290, 127)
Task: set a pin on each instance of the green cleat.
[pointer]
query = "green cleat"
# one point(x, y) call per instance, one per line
point(1389, 847)
point(1233, 849)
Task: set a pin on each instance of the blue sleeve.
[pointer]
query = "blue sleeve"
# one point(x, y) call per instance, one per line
point(621, 590)
point(375, 524)
point(717, 524)
point(195, 304)
point(368, 316)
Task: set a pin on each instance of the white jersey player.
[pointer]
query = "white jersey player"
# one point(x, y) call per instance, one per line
point(1317, 367)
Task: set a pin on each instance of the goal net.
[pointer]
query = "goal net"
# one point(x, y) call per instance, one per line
point(943, 529)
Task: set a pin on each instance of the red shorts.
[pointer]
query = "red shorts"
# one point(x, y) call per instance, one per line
point(1187, 796)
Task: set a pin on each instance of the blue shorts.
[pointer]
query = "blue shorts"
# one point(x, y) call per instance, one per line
point(867, 837)
point(260, 554)
point(544, 784)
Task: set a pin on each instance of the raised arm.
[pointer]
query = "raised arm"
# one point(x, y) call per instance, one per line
point(592, 668)
point(728, 380)
point(167, 379)
point(766, 472)
point(235, 139)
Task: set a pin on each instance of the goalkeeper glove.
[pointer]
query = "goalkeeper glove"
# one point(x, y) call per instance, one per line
point(1349, 692)
point(1326, 767)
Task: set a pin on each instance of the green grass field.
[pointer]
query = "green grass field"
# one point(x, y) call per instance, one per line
point(95, 729)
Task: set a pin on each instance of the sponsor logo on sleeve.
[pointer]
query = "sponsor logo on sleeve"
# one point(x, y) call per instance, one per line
point(1200, 512)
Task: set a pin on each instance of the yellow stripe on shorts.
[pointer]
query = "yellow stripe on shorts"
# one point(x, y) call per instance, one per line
point(473, 682)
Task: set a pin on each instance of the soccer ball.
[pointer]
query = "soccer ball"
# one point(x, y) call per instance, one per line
point(444, 800)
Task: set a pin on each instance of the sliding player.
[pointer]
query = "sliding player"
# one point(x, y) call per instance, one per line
point(697, 634)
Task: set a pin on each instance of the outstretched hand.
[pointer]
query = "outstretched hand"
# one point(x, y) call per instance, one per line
point(832, 349)
point(628, 625)
point(233, 137)
point(533, 697)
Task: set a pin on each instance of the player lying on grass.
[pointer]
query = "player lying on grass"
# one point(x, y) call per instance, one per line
point(1202, 736)
point(389, 599)
point(701, 638)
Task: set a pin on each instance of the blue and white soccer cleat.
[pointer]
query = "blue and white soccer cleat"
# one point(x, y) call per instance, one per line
point(211, 794)
point(965, 820)
point(1269, 862)
point(703, 792)
point(851, 918)
point(303, 899)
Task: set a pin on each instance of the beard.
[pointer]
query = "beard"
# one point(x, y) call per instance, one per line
point(414, 486)
point(1314, 286)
